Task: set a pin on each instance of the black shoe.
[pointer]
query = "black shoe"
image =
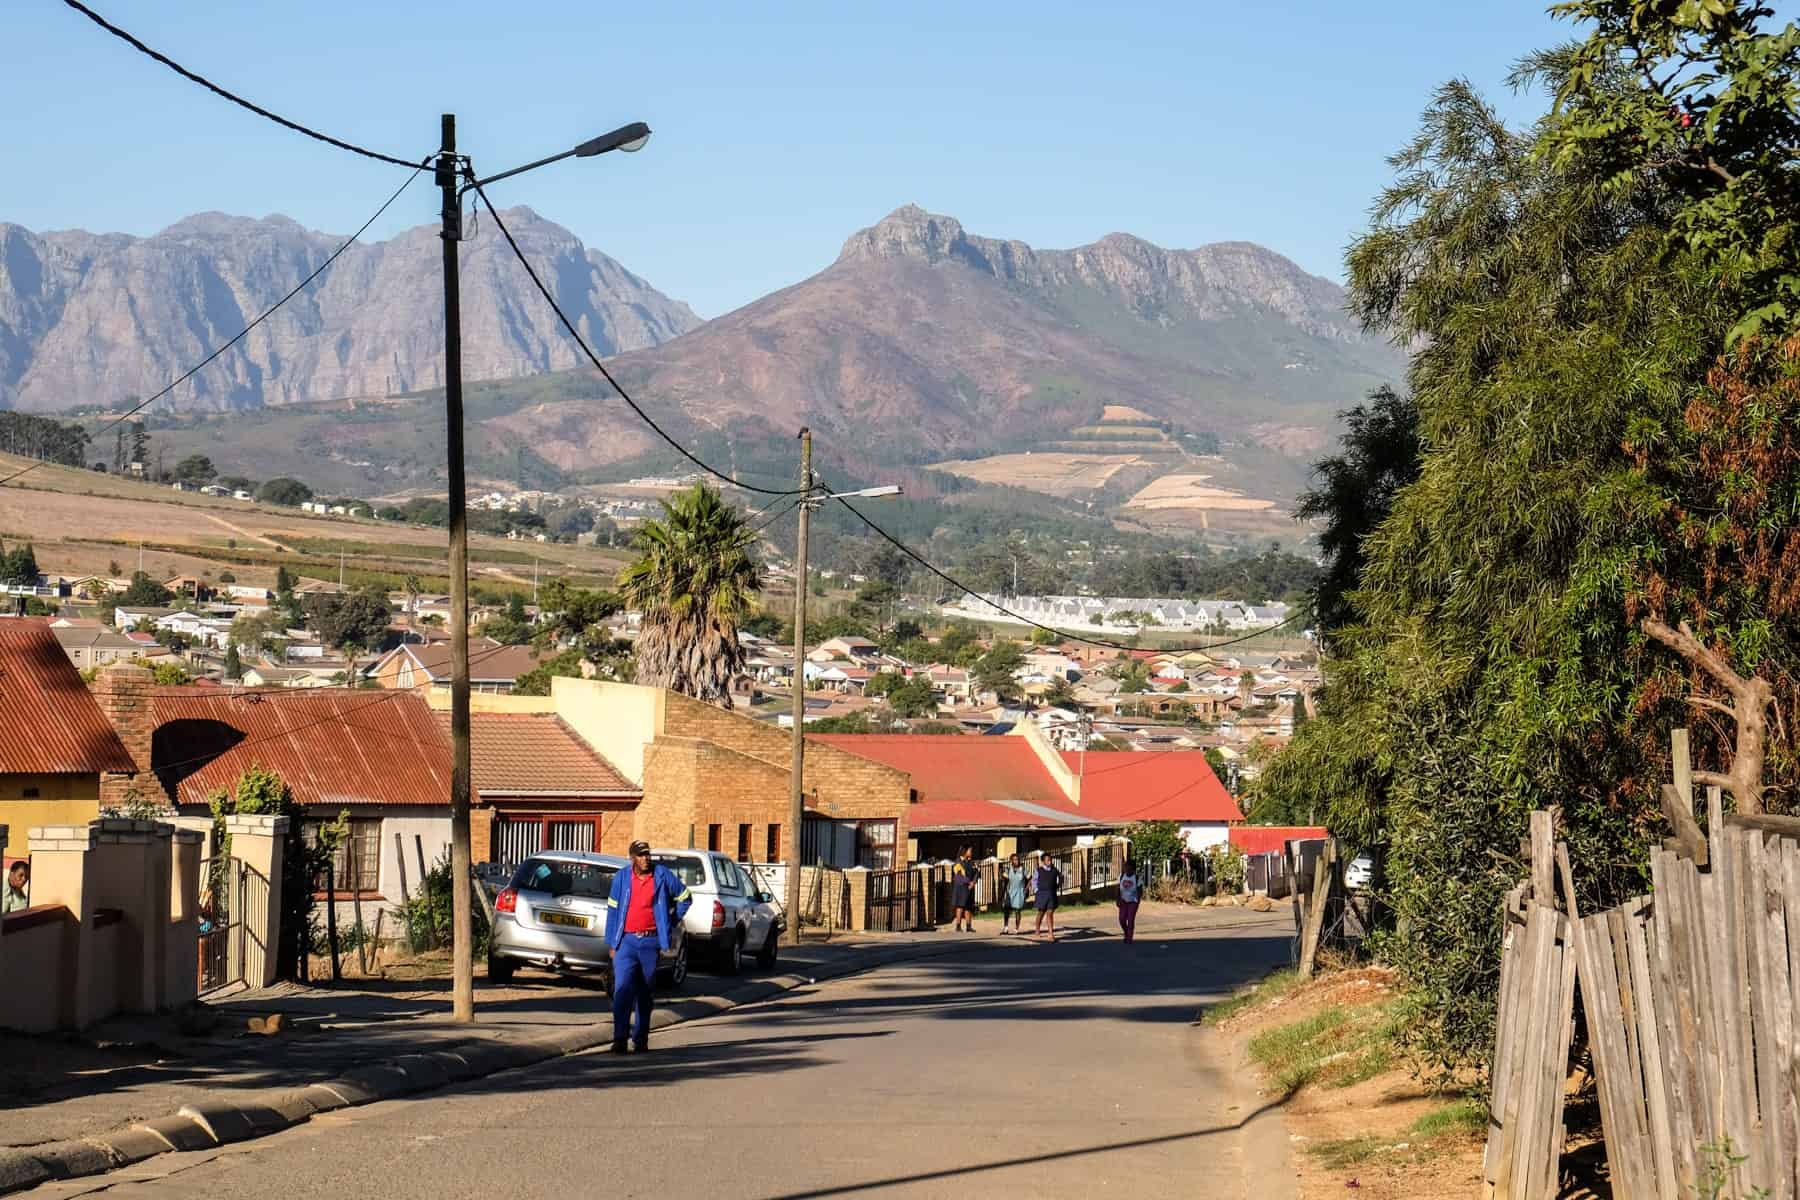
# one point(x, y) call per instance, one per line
point(640, 1047)
point(618, 1046)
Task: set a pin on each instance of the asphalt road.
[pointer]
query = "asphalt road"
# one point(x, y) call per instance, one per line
point(1029, 1068)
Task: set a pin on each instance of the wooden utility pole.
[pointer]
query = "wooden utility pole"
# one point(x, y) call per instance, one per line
point(797, 769)
point(462, 942)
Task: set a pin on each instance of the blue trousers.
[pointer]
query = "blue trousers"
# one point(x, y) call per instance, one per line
point(634, 986)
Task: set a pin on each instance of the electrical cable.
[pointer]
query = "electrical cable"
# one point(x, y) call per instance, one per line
point(210, 86)
point(245, 331)
point(1061, 633)
point(601, 367)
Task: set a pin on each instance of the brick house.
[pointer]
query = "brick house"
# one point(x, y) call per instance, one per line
point(717, 779)
point(493, 667)
point(542, 787)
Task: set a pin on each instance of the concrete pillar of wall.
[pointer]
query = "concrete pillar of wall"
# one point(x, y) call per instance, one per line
point(858, 879)
point(989, 896)
point(129, 871)
point(181, 952)
point(256, 842)
point(60, 876)
point(1006, 847)
point(1081, 863)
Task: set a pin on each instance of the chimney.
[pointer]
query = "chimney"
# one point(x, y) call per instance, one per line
point(123, 690)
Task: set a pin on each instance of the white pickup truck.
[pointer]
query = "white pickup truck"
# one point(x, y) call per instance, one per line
point(729, 917)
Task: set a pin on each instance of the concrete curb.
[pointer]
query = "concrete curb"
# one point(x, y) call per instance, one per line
point(216, 1122)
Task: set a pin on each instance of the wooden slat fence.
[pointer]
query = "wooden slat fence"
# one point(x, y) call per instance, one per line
point(1692, 1003)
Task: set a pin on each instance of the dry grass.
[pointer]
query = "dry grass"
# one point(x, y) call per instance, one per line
point(1054, 472)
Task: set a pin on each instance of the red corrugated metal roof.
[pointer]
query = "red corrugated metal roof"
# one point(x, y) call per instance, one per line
point(986, 814)
point(535, 754)
point(49, 721)
point(1157, 785)
point(1272, 839)
point(333, 746)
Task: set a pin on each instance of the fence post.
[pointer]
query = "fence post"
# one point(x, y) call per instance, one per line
point(858, 880)
point(331, 941)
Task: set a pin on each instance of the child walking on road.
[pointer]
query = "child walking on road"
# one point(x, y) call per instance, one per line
point(1048, 881)
point(1128, 901)
point(1012, 901)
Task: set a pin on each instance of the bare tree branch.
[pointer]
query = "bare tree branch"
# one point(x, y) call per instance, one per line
point(1751, 700)
point(1715, 705)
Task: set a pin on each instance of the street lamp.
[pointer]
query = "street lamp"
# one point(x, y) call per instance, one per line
point(455, 176)
point(810, 499)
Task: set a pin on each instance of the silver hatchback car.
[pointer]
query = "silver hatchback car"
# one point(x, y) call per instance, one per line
point(553, 915)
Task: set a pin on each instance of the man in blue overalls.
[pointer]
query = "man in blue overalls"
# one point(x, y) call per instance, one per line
point(645, 902)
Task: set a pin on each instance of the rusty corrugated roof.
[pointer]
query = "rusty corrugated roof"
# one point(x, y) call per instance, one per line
point(955, 767)
point(49, 721)
point(333, 746)
point(535, 754)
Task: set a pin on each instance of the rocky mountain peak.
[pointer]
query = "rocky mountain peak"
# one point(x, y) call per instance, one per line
point(907, 232)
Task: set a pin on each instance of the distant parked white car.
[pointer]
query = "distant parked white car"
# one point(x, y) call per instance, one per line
point(1360, 873)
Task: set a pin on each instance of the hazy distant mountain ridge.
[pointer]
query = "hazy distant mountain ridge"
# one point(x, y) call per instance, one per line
point(94, 318)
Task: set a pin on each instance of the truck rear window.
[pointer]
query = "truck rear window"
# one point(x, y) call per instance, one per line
point(687, 868)
point(559, 878)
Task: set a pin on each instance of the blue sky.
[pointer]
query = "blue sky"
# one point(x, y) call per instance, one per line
point(780, 128)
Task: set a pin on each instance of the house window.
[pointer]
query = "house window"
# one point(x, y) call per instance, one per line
point(405, 678)
point(29, 793)
point(774, 854)
point(743, 854)
point(875, 844)
point(356, 862)
point(714, 837)
point(517, 836)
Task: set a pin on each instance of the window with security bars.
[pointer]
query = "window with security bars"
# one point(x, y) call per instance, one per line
point(517, 836)
point(875, 844)
point(356, 862)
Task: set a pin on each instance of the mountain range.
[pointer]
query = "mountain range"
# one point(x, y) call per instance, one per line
point(920, 342)
point(92, 319)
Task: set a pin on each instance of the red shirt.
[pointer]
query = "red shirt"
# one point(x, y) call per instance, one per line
point(640, 913)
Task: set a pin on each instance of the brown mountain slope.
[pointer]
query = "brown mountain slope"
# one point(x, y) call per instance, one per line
point(926, 339)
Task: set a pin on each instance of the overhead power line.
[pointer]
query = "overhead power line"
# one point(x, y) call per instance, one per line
point(236, 99)
point(601, 367)
point(245, 331)
point(907, 550)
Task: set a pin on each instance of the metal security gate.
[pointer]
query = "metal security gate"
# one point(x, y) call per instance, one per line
point(229, 895)
point(896, 903)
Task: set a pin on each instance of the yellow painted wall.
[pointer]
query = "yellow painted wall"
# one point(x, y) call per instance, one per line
point(619, 720)
point(61, 800)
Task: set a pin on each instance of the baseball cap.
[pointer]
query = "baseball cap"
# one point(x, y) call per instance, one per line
point(640, 848)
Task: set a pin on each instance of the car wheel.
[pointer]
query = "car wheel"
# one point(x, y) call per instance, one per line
point(765, 958)
point(678, 970)
point(500, 970)
point(733, 959)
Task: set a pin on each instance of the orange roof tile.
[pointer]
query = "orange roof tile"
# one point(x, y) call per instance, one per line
point(49, 721)
point(535, 754)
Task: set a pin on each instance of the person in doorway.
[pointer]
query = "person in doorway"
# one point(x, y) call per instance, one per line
point(646, 904)
point(18, 888)
point(963, 877)
point(1048, 881)
point(1012, 901)
point(1128, 901)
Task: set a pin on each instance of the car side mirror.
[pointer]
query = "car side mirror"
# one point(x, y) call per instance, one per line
point(764, 898)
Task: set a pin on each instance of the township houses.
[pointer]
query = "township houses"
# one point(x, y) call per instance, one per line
point(90, 644)
point(493, 667)
point(1018, 792)
point(55, 742)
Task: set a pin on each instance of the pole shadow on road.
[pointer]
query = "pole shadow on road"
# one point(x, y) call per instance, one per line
point(1029, 1160)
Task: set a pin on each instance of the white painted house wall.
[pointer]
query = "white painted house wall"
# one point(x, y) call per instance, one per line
point(1203, 835)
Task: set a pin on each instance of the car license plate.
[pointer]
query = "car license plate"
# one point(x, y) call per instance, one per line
point(561, 918)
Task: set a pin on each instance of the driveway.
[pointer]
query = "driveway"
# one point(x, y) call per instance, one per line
point(1071, 1069)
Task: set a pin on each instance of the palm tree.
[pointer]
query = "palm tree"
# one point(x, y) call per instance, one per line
point(693, 582)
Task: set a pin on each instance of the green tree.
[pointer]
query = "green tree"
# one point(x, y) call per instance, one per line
point(286, 491)
point(1353, 493)
point(1060, 694)
point(354, 622)
point(994, 671)
point(1132, 675)
point(19, 566)
point(568, 614)
point(1043, 637)
point(914, 698)
point(1155, 841)
point(196, 469)
point(234, 664)
point(145, 592)
point(694, 579)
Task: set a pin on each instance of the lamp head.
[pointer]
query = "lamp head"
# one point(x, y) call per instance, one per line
point(629, 138)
